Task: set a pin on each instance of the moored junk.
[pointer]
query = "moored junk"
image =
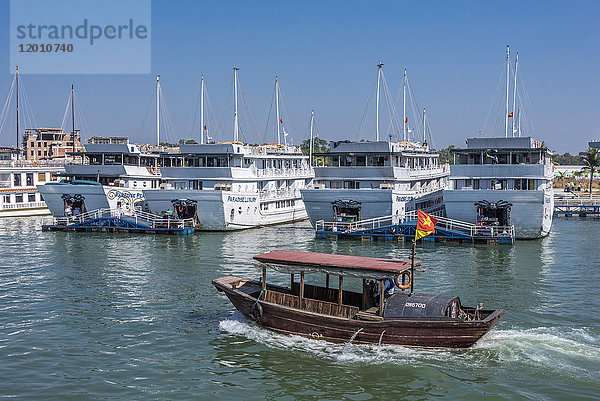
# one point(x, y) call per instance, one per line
point(382, 313)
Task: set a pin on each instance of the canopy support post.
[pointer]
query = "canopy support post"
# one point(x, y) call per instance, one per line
point(381, 286)
point(412, 267)
point(264, 278)
point(301, 288)
point(292, 282)
point(365, 294)
point(327, 281)
point(340, 292)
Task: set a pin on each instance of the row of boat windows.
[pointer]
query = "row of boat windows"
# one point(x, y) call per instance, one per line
point(500, 158)
point(413, 186)
point(19, 198)
point(520, 184)
point(119, 159)
point(222, 161)
point(264, 207)
point(27, 179)
point(376, 161)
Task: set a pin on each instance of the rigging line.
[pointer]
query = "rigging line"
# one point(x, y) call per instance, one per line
point(189, 131)
point(226, 107)
point(487, 119)
point(167, 119)
point(532, 121)
point(390, 106)
point(4, 114)
point(211, 114)
point(250, 119)
point(149, 108)
point(362, 123)
point(264, 138)
point(82, 119)
point(415, 109)
point(287, 112)
point(28, 109)
point(64, 119)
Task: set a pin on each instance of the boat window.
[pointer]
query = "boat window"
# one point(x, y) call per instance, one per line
point(17, 180)
point(6, 198)
point(232, 214)
point(30, 197)
point(19, 198)
point(29, 179)
point(41, 177)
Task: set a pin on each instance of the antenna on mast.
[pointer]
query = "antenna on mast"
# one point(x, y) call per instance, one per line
point(157, 110)
point(379, 66)
point(73, 118)
point(312, 120)
point(235, 111)
point(277, 107)
point(507, 83)
point(424, 117)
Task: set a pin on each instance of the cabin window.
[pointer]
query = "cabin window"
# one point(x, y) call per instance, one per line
point(29, 179)
point(6, 198)
point(361, 160)
point(17, 180)
point(19, 198)
point(351, 184)
point(30, 197)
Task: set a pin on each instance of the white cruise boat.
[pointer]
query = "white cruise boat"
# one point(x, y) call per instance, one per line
point(112, 174)
point(18, 181)
point(365, 180)
point(504, 180)
point(235, 186)
point(515, 170)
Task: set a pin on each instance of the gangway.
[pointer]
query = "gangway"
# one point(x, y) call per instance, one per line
point(116, 220)
point(579, 206)
point(403, 228)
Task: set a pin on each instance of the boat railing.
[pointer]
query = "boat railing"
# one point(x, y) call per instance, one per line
point(442, 222)
point(136, 217)
point(283, 172)
point(23, 205)
point(280, 193)
point(582, 201)
point(33, 163)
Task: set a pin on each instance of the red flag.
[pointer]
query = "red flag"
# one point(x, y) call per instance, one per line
point(205, 128)
point(425, 225)
point(510, 114)
point(281, 121)
point(406, 120)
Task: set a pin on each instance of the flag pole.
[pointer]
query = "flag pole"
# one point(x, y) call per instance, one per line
point(412, 266)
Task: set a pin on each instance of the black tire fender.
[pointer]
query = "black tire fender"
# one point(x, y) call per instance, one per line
point(256, 311)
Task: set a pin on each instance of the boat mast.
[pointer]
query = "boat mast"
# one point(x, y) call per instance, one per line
point(235, 111)
point(377, 106)
point(515, 94)
point(404, 136)
point(277, 106)
point(202, 109)
point(73, 118)
point(312, 119)
point(423, 126)
point(157, 110)
point(17, 80)
point(519, 121)
point(507, 82)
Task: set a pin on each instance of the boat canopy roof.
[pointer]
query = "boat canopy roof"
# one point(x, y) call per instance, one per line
point(288, 261)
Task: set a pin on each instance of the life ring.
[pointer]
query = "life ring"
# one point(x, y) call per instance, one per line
point(398, 284)
point(34, 164)
point(256, 311)
point(260, 149)
point(152, 170)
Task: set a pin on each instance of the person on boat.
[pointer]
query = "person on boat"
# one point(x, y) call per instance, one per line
point(388, 289)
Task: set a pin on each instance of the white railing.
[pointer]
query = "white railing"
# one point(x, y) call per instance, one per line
point(22, 205)
point(582, 201)
point(279, 193)
point(443, 222)
point(283, 172)
point(137, 217)
point(34, 163)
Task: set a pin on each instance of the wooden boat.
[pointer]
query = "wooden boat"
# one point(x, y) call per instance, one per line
point(338, 315)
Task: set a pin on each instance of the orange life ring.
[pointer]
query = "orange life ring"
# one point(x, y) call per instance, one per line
point(152, 170)
point(405, 286)
point(34, 164)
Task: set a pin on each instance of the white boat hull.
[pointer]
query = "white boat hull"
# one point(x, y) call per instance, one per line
point(227, 210)
point(95, 197)
point(374, 202)
point(531, 211)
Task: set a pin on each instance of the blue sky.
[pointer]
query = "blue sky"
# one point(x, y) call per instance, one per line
point(325, 54)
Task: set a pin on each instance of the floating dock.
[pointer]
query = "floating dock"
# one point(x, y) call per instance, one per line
point(394, 228)
point(581, 207)
point(108, 220)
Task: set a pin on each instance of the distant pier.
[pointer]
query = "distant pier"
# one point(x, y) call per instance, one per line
point(581, 207)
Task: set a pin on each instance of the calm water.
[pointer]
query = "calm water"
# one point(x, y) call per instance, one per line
point(87, 316)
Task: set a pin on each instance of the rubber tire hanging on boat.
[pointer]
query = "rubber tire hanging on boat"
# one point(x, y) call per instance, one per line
point(405, 286)
point(256, 311)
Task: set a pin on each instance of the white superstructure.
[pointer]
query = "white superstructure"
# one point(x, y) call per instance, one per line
point(363, 180)
point(234, 186)
point(515, 170)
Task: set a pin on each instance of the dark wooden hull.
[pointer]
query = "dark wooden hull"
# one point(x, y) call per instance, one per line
point(422, 332)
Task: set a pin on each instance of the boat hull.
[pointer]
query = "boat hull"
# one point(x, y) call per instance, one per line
point(446, 333)
point(375, 203)
point(228, 210)
point(531, 211)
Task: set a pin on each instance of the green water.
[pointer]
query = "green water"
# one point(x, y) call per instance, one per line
point(110, 316)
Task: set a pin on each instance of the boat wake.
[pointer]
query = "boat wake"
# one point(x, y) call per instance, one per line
point(550, 351)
